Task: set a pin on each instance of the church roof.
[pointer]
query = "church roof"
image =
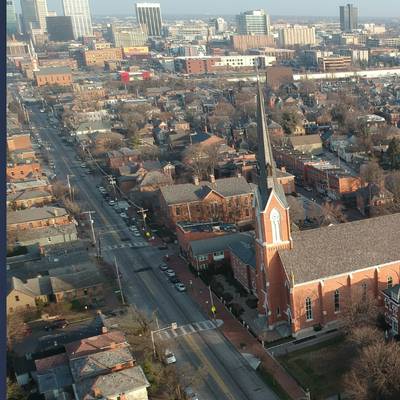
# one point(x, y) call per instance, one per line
point(338, 249)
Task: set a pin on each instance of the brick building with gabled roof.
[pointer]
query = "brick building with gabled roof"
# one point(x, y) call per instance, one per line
point(227, 200)
point(304, 279)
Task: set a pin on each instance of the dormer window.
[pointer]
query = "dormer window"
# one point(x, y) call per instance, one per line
point(275, 218)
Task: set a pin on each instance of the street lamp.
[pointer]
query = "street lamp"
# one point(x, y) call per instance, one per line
point(173, 326)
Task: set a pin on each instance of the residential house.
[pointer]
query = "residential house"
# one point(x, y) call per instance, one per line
point(129, 383)
point(123, 156)
point(189, 231)
point(29, 198)
point(228, 200)
point(202, 253)
point(371, 196)
point(23, 169)
point(23, 296)
point(307, 143)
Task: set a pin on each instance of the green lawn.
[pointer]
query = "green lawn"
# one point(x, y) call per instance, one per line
point(321, 368)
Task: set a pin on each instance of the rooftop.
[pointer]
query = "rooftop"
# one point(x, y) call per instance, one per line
point(360, 244)
point(189, 192)
point(53, 71)
point(94, 344)
point(206, 226)
point(99, 363)
point(111, 385)
point(34, 214)
point(219, 243)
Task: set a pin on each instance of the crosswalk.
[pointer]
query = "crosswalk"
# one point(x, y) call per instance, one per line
point(188, 329)
point(124, 246)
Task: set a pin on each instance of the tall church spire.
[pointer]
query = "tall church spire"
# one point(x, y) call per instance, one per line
point(266, 163)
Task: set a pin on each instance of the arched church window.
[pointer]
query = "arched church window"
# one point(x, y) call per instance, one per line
point(275, 218)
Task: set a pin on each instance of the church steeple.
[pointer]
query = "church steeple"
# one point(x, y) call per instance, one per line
point(266, 162)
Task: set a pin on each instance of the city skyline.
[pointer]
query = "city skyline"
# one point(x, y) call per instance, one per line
point(367, 8)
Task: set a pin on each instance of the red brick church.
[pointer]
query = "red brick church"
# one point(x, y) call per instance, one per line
point(304, 278)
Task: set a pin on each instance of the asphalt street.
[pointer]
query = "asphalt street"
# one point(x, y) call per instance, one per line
point(228, 375)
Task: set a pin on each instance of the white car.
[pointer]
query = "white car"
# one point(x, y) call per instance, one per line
point(180, 287)
point(133, 228)
point(169, 357)
point(111, 203)
point(170, 273)
point(136, 234)
point(123, 215)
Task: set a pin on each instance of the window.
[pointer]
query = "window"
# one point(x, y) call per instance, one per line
point(395, 326)
point(278, 312)
point(247, 212)
point(309, 315)
point(85, 292)
point(178, 211)
point(336, 299)
point(202, 258)
point(364, 291)
point(275, 218)
point(16, 298)
point(389, 282)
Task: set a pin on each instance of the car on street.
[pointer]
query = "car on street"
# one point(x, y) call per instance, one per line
point(169, 357)
point(58, 324)
point(136, 234)
point(83, 165)
point(190, 394)
point(163, 246)
point(125, 239)
point(170, 273)
point(111, 203)
point(307, 189)
point(174, 280)
point(133, 228)
point(180, 287)
point(101, 189)
point(123, 215)
point(163, 267)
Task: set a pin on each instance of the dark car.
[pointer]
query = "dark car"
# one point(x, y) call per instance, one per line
point(125, 239)
point(59, 324)
point(163, 247)
point(174, 280)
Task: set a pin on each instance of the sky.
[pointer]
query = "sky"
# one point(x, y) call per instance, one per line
point(367, 8)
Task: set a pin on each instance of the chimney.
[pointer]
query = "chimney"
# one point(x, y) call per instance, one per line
point(212, 178)
point(104, 329)
point(196, 180)
point(283, 169)
point(239, 174)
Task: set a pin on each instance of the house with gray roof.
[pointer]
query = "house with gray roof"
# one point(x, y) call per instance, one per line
point(228, 200)
point(131, 382)
point(203, 252)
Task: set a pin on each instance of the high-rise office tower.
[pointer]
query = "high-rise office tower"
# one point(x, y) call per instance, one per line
point(34, 13)
point(128, 36)
point(79, 12)
point(254, 22)
point(12, 26)
point(59, 28)
point(149, 14)
point(220, 25)
point(348, 18)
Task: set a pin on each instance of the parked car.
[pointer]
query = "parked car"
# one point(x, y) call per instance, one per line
point(163, 267)
point(111, 203)
point(136, 234)
point(123, 215)
point(190, 394)
point(58, 324)
point(170, 273)
point(163, 246)
point(174, 280)
point(169, 357)
point(180, 287)
point(133, 228)
point(307, 189)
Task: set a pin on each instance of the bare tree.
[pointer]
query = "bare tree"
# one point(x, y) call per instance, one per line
point(332, 213)
point(375, 375)
point(107, 142)
point(392, 183)
point(371, 173)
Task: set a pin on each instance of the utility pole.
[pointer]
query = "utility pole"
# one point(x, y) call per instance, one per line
point(69, 186)
point(91, 225)
point(119, 280)
point(144, 215)
point(112, 181)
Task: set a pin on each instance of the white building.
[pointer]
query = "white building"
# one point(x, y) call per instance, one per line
point(149, 14)
point(244, 61)
point(79, 12)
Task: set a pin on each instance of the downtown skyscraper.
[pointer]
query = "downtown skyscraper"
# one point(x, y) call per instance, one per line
point(348, 18)
point(149, 15)
point(255, 22)
point(12, 26)
point(34, 13)
point(79, 12)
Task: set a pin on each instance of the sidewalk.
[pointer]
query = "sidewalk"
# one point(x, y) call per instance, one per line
point(232, 329)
